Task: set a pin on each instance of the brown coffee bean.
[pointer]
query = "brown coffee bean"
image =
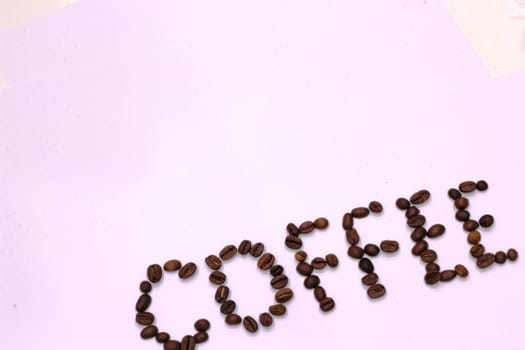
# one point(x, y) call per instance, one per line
point(233, 319)
point(148, 332)
point(306, 227)
point(375, 207)
point(485, 260)
point(244, 247)
point(318, 263)
point(432, 267)
point(482, 185)
point(293, 242)
point(187, 270)
point(258, 248)
point(420, 197)
point(154, 273)
point(500, 257)
point(467, 186)
point(332, 261)
point(411, 212)
point(279, 281)
point(213, 262)
point(304, 269)
point(321, 223)
point(416, 221)
point(228, 252)
point(202, 325)
point(143, 303)
point(461, 203)
point(172, 265)
point(145, 287)
point(301, 256)
point(162, 337)
point(145, 318)
point(266, 319)
point(370, 279)
point(217, 277)
point(187, 343)
point(355, 252)
point(200, 337)
point(348, 221)
point(276, 270)
point(221, 294)
point(352, 236)
point(266, 261)
point(402, 203)
point(366, 265)
point(477, 250)
point(360, 212)
point(389, 246)
point(454, 194)
point(470, 225)
point(311, 282)
point(486, 220)
point(250, 324)
point(512, 254)
point(428, 256)
point(172, 345)
point(228, 307)
point(292, 229)
point(376, 291)
point(473, 237)
point(435, 231)
point(418, 234)
point(461, 270)
point(448, 275)
point(371, 249)
point(419, 247)
point(283, 295)
point(432, 277)
point(462, 215)
point(327, 304)
point(277, 309)
point(319, 293)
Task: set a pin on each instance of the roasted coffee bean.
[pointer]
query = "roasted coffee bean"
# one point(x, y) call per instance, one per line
point(454, 194)
point(213, 262)
point(187, 343)
point(418, 234)
point(276, 270)
point(277, 309)
point(250, 324)
point(428, 256)
point(266, 319)
point(461, 203)
point(202, 325)
point(292, 229)
point(500, 257)
point(327, 304)
point(244, 247)
point(485, 260)
point(482, 185)
point(462, 215)
point(266, 261)
point(154, 273)
point(370, 279)
point(187, 270)
point(200, 337)
point(461, 270)
point(448, 275)
point(258, 248)
point(432, 267)
point(283, 295)
point(304, 269)
point(217, 277)
point(419, 247)
point(376, 291)
point(332, 261)
point(352, 236)
point(306, 227)
point(293, 242)
point(411, 212)
point(435, 231)
point(389, 246)
point(228, 307)
point(301, 256)
point(149, 332)
point(143, 302)
point(348, 221)
point(375, 207)
point(432, 277)
point(311, 282)
point(233, 319)
point(172, 265)
point(355, 252)
point(228, 252)
point(512, 254)
point(321, 223)
point(319, 293)
point(366, 265)
point(172, 345)
point(402, 203)
point(416, 221)
point(467, 186)
point(318, 263)
point(371, 249)
point(473, 237)
point(477, 250)
point(486, 220)
point(470, 225)
point(221, 294)
point(279, 281)
point(360, 212)
point(420, 197)
point(145, 287)
point(162, 337)
point(145, 318)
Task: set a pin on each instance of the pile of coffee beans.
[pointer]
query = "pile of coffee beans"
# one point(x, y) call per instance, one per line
point(143, 317)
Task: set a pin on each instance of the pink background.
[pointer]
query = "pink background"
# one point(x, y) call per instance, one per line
point(134, 133)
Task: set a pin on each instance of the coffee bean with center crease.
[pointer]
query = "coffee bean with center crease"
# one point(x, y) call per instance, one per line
point(283, 295)
point(145, 287)
point(462, 215)
point(389, 246)
point(416, 221)
point(366, 265)
point(432, 267)
point(411, 212)
point(418, 234)
point(200, 337)
point(213, 262)
point(360, 212)
point(432, 277)
point(332, 261)
point(266, 261)
point(293, 242)
point(228, 252)
point(454, 194)
point(485, 260)
point(143, 302)
point(233, 319)
point(419, 247)
point(301, 255)
point(244, 247)
point(228, 307)
point(355, 252)
point(470, 225)
point(348, 221)
point(402, 203)
point(250, 324)
point(154, 273)
point(276, 270)
point(172, 345)
point(473, 237)
point(371, 249)
point(376, 291)
point(277, 309)
point(217, 277)
point(321, 223)
point(461, 270)
point(327, 304)
point(435, 231)
point(279, 281)
point(319, 293)
point(512, 254)
point(149, 332)
point(318, 263)
point(266, 319)
point(428, 256)
point(144, 318)
point(292, 229)
point(258, 249)
point(486, 220)
point(202, 325)
point(500, 257)
point(187, 343)
point(352, 236)
point(370, 279)
point(304, 269)
point(461, 203)
point(467, 186)
point(162, 337)
point(448, 275)
point(375, 207)
point(482, 185)
point(187, 270)
point(311, 282)
point(172, 265)
point(221, 294)
point(477, 250)
point(306, 227)
point(420, 197)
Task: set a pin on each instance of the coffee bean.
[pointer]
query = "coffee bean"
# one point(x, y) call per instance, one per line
point(419, 247)
point(143, 302)
point(375, 207)
point(301, 256)
point(277, 309)
point(462, 215)
point(221, 294)
point(321, 223)
point(228, 307)
point(500, 257)
point(486, 220)
point(145, 318)
point(304, 269)
point(250, 324)
point(376, 291)
point(292, 229)
point(217, 277)
point(213, 262)
point(389, 246)
point(266, 319)
point(461, 203)
point(276, 270)
point(420, 197)
point(202, 325)
point(477, 250)
point(187, 343)
point(266, 261)
point(432, 277)
point(228, 252)
point(470, 225)
point(293, 242)
point(332, 261)
point(244, 247)
point(370, 279)
point(283, 295)
point(448, 275)
point(149, 332)
point(233, 319)
point(145, 287)
point(172, 265)
point(319, 293)
point(428, 255)
point(318, 263)
point(512, 254)
point(366, 265)
point(360, 212)
point(432, 267)
point(172, 345)
point(473, 237)
point(467, 186)
point(435, 231)
point(200, 337)
point(485, 260)
point(154, 273)
point(327, 304)
point(258, 249)
point(352, 236)
point(371, 249)
point(461, 270)
point(306, 227)
point(482, 185)
point(402, 203)
point(187, 270)
point(411, 212)
point(416, 221)
point(311, 282)
point(355, 252)
point(348, 221)
point(279, 281)
point(454, 194)
point(162, 337)
point(418, 234)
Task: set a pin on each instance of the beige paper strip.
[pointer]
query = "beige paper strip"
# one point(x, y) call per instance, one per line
point(16, 12)
point(3, 83)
